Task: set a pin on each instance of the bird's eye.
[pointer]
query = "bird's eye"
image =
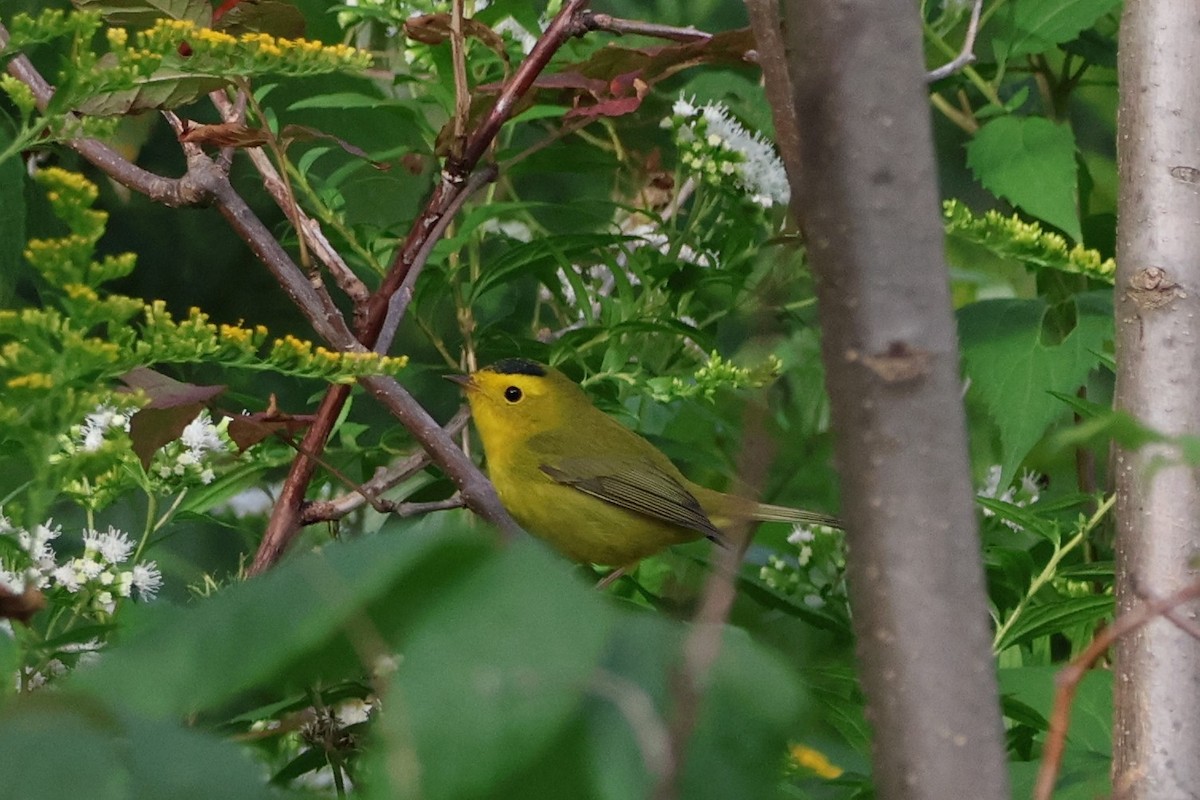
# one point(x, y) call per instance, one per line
point(512, 394)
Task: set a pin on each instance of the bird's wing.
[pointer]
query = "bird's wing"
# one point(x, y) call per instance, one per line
point(634, 485)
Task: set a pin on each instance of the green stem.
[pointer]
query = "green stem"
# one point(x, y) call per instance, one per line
point(1048, 572)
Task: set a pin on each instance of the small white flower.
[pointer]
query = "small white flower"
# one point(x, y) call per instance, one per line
point(147, 580)
point(814, 601)
point(683, 108)
point(67, 577)
point(200, 435)
point(106, 601)
point(801, 533)
point(114, 546)
point(12, 582)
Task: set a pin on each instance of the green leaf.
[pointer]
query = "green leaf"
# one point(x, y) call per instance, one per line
point(1030, 162)
point(57, 745)
point(262, 16)
point(143, 13)
point(341, 100)
point(1043, 620)
point(1090, 728)
point(490, 676)
point(1013, 365)
point(1035, 26)
point(166, 88)
point(291, 624)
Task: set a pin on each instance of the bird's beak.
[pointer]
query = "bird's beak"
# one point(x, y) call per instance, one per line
point(465, 381)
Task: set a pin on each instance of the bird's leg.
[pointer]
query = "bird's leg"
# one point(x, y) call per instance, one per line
point(612, 577)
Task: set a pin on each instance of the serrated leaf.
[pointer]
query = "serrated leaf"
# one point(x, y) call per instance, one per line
point(143, 13)
point(1014, 371)
point(1035, 26)
point(1043, 620)
point(272, 17)
point(1030, 161)
point(166, 88)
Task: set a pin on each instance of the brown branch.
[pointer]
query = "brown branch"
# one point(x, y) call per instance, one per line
point(1069, 677)
point(377, 318)
point(610, 24)
point(564, 26)
point(308, 228)
point(768, 36)
point(384, 479)
point(462, 89)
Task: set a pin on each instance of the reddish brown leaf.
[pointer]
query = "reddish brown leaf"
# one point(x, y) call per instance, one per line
point(152, 428)
point(435, 29)
point(226, 134)
point(166, 392)
point(247, 430)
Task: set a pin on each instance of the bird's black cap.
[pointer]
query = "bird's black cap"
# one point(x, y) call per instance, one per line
point(518, 366)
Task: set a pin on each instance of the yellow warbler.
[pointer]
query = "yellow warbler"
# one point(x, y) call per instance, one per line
point(592, 488)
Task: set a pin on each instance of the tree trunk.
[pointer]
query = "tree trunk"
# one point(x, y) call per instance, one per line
point(864, 183)
point(1156, 730)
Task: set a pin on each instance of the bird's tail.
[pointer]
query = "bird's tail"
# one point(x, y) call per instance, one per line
point(765, 512)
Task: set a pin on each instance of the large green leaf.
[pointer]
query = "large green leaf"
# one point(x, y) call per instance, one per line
point(1030, 161)
point(1054, 617)
point(1035, 26)
point(490, 677)
point(301, 622)
point(1085, 767)
point(1014, 363)
point(55, 746)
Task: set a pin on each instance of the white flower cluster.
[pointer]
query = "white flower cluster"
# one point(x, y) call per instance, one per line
point(719, 150)
point(816, 574)
point(1025, 493)
point(98, 576)
point(188, 458)
point(599, 280)
point(98, 426)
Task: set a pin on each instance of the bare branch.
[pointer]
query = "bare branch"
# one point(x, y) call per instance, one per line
point(768, 36)
point(966, 55)
point(308, 228)
point(610, 24)
point(384, 479)
point(1069, 677)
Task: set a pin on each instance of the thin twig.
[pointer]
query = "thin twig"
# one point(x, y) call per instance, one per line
point(703, 642)
point(966, 55)
point(610, 24)
point(765, 21)
point(1069, 677)
point(308, 228)
point(384, 479)
point(462, 90)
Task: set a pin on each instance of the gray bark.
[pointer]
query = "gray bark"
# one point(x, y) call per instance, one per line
point(1156, 731)
point(864, 183)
